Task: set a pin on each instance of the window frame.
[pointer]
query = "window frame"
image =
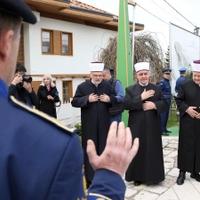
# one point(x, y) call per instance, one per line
point(51, 42)
point(70, 44)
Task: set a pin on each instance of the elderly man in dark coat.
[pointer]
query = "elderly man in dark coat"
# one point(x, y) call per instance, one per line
point(188, 102)
point(145, 102)
point(94, 97)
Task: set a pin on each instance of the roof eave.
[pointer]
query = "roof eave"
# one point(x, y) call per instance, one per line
point(67, 12)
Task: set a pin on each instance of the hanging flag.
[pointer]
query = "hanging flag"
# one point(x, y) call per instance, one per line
point(124, 69)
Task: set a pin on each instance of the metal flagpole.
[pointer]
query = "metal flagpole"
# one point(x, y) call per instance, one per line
point(133, 4)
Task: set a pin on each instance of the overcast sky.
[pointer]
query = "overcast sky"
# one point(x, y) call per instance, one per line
point(159, 27)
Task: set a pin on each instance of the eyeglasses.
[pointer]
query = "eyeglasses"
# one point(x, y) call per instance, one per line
point(167, 73)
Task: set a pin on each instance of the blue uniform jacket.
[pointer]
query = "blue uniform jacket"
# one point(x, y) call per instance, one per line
point(165, 88)
point(180, 81)
point(41, 160)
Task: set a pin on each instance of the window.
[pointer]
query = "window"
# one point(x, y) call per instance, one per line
point(57, 42)
point(66, 39)
point(47, 42)
point(67, 91)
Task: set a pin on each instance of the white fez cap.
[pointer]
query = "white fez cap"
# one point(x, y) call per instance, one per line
point(96, 66)
point(141, 66)
point(195, 67)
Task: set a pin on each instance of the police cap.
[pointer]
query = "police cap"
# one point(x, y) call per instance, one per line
point(182, 69)
point(18, 8)
point(166, 69)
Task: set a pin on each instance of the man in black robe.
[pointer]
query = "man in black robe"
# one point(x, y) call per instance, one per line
point(94, 97)
point(188, 103)
point(145, 103)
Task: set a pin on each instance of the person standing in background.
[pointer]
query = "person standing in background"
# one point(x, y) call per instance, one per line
point(166, 91)
point(182, 79)
point(145, 102)
point(48, 96)
point(116, 109)
point(21, 87)
point(188, 103)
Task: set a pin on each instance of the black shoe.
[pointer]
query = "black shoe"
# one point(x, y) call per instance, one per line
point(167, 131)
point(196, 176)
point(181, 178)
point(137, 183)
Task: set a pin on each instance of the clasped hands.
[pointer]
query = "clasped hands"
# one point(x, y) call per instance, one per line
point(94, 97)
point(192, 112)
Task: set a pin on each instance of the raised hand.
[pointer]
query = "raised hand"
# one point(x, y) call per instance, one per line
point(119, 150)
point(17, 79)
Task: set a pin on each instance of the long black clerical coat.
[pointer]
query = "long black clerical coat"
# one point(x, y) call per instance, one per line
point(147, 166)
point(95, 118)
point(189, 132)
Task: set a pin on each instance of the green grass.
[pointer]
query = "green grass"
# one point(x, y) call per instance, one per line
point(173, 123)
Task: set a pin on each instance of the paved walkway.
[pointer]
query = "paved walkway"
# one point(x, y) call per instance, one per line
point(168, 189)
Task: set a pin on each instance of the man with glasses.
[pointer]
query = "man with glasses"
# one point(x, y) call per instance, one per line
point(144, 102)
point(94, 97)
point(166, 91)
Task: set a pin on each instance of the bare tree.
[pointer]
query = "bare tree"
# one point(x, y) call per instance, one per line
point(109, 55)
point(146, 49)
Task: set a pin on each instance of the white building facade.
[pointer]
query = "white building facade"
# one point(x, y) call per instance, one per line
point(66, 38)
point(87, 42)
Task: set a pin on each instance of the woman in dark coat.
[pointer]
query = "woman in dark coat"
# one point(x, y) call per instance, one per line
point(48, 96)
point(145, 102)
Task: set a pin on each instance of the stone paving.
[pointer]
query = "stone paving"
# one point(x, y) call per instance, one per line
point(168, 189)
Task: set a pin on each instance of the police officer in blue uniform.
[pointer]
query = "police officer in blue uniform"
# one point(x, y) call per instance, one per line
point(182, 79)
point(40, 158)
point(166, 91)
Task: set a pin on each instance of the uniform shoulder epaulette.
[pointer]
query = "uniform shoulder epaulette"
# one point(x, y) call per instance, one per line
point(42, 115)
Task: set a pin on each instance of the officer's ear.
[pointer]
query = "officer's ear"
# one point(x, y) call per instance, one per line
point(6, 43)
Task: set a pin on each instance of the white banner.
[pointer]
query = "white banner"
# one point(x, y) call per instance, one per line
point(184, 49)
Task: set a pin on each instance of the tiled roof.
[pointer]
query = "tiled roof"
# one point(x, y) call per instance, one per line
point(78, 12)
point(84, 6)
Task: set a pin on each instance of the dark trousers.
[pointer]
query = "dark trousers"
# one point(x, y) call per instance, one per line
point(164, 117)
